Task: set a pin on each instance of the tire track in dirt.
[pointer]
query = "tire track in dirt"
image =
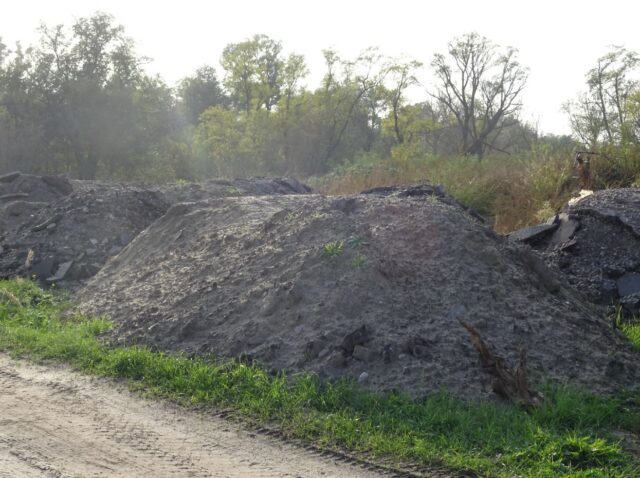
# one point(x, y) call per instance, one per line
point(57, 424)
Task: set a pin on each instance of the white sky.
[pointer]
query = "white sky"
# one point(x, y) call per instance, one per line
point(558, 40)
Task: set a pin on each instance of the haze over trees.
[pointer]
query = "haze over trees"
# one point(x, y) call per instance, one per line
point(80, 102)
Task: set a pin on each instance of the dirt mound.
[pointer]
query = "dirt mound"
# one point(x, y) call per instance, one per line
point(595, 242)
point(369, 287)
point(63, 231)
point(192, 192)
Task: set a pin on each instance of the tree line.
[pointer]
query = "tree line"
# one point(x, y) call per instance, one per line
point(80, 102)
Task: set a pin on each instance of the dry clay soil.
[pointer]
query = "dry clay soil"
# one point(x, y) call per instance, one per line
point(57, 423)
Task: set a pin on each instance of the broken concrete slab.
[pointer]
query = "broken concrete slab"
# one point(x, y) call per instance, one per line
point(61, 272)
point(533, 234)
point(567, 227)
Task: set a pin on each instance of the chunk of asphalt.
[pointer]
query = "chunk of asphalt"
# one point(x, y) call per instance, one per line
point(628, 284)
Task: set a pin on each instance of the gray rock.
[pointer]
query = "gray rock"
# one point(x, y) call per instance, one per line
point(360, 336)
point(457, 311)
point(43, 225)
point(114, 250)
point(313, 348)
point(324, 352)
point(61, 272)
point(364, 354)
point(363, 378)
point(51, 226)
point(93, 242)
point(631, 304)
point(124, 238)
point(533, 234)
point(608, 290)
point(337, 359)
point(91, 251)
point(83, 271)
point(629, 284)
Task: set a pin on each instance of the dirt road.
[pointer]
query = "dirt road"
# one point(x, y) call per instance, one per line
point(57, 423)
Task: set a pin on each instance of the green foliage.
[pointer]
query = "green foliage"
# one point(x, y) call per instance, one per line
point(567, 436)
point(333, 248)
point(199, 92)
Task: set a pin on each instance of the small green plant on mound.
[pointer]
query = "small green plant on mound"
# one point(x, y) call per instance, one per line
point(232, 191)
point(569, 435)
point(359, 260)
point(356, 242)
point(333, 248)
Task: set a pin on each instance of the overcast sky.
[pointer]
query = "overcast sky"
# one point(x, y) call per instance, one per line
point(557, 40)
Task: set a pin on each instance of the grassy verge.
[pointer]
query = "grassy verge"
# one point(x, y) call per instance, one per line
point(571, 435)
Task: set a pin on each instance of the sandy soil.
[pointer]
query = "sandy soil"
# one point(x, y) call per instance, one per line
point(56, 423)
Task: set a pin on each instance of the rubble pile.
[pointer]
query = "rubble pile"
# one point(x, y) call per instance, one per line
point(595, 243)
point(62, 231)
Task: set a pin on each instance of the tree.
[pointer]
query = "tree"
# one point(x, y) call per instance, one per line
point(343, 98)
point(479, 85)
point(604, 113)
point(200, 91)
point(402, 76)
point(254, 72)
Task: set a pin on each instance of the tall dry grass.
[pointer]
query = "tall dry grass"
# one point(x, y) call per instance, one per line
point(513, 191)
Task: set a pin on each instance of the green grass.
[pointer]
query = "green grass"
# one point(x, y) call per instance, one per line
point(570, 435)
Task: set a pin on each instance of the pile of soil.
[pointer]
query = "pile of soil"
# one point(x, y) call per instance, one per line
point(595, 243)
point(369, 287)
point(61, 231)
